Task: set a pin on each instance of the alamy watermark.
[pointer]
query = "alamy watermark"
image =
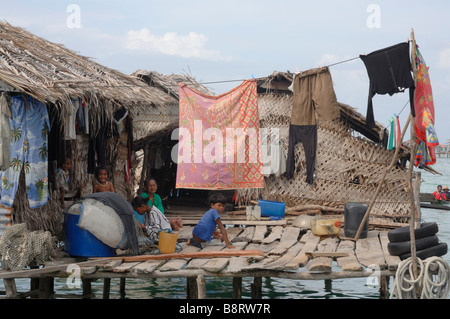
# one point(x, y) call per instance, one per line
point(374, 19)
point(73, 21)
point(234, 145)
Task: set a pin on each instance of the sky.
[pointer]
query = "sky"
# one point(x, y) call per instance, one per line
point(228, 41)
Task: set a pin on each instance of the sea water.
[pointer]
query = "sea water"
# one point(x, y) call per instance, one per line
point(272, 288)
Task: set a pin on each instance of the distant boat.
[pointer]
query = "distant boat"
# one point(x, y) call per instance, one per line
point(427, 200)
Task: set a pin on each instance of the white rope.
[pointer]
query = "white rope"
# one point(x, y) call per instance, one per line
point(431, 284)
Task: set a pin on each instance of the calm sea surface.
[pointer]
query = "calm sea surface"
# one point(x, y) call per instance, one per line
point(273, 288)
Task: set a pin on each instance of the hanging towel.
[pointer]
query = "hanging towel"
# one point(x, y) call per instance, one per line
point(391, 135)
point(389, 72)
point(424, 109)
point(29, 131)
point(219, 145)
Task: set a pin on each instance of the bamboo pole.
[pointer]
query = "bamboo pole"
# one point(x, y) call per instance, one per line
point(391, 165)
point(199, 254)
point(411, 167)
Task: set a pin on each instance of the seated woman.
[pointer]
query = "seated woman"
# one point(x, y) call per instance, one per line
point(154, 199)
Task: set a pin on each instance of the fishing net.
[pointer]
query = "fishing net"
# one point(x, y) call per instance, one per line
point(19, 247)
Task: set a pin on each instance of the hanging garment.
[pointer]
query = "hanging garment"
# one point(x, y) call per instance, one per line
point(275, 161)
point(230, 122)
point(307, 135)
point(29, 130)
point(314, 101)
point(424, 109)
point(70, 121)
point(389, 72)
point(5, 131)
point(96, 147)
point(391, 135)
point(395, 133)
point(314, 94)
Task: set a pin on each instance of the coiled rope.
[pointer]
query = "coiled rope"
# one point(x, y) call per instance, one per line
point(432, 281)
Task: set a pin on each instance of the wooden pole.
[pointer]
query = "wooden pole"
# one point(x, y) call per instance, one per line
point(411, 167)
point(372, 201)
point(201, 287)
point(237, 287)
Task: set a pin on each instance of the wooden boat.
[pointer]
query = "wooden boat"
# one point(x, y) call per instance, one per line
point(427, 200)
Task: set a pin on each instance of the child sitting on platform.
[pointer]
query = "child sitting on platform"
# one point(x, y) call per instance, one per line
point(101, 183)
point(206, 227)
point(150, 219)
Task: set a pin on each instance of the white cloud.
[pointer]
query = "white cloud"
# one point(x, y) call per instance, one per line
point(444, 59)
point(327, 59)
point(171, 43)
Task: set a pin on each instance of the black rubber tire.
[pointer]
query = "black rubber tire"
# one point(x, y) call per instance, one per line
point(404, 247)
point(438, 251)
point(402, 233)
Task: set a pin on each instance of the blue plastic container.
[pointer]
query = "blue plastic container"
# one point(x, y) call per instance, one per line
point(81, 243)
point(272, 209)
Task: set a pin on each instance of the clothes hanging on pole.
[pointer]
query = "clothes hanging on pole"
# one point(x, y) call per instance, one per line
point(389, 72)
point(5, 131)
point(424, 120)
point(314, 101)
point(29, 131)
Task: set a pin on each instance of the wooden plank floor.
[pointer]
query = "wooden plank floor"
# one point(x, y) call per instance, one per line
point(289, 253)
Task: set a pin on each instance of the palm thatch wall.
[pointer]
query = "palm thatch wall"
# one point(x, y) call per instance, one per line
point(53, 74)
point(350, 162)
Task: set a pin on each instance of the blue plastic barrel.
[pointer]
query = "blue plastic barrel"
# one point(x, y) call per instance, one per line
point(271, 209)
point(81, 243)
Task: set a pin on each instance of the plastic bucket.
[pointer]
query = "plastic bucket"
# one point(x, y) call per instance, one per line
point(269, 208)
point(81, 243)
point(167, 242)
point(353, 216)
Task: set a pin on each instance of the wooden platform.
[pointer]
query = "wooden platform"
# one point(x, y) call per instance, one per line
point(288, 253)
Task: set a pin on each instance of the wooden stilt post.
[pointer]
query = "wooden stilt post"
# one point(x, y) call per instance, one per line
point(45, 287)
point(201, 287)
point(237, 287)
point(328, 286)
point(10, 284)
point(122, 288)
point(384, 287)
point(87, 288)
point(192, 288)
point(106, 287)
point(257, 288)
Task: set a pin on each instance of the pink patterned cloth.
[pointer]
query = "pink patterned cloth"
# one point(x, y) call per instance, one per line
point(219, 139)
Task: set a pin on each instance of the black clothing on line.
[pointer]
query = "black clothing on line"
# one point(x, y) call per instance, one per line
point(389, 72)
point(307, 134)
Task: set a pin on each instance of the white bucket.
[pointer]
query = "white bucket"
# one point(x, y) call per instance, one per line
point(253, 213)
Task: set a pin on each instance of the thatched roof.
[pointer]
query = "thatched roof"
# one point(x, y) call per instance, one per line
point(50, 72)
point(151, 123)
point(169, 83)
